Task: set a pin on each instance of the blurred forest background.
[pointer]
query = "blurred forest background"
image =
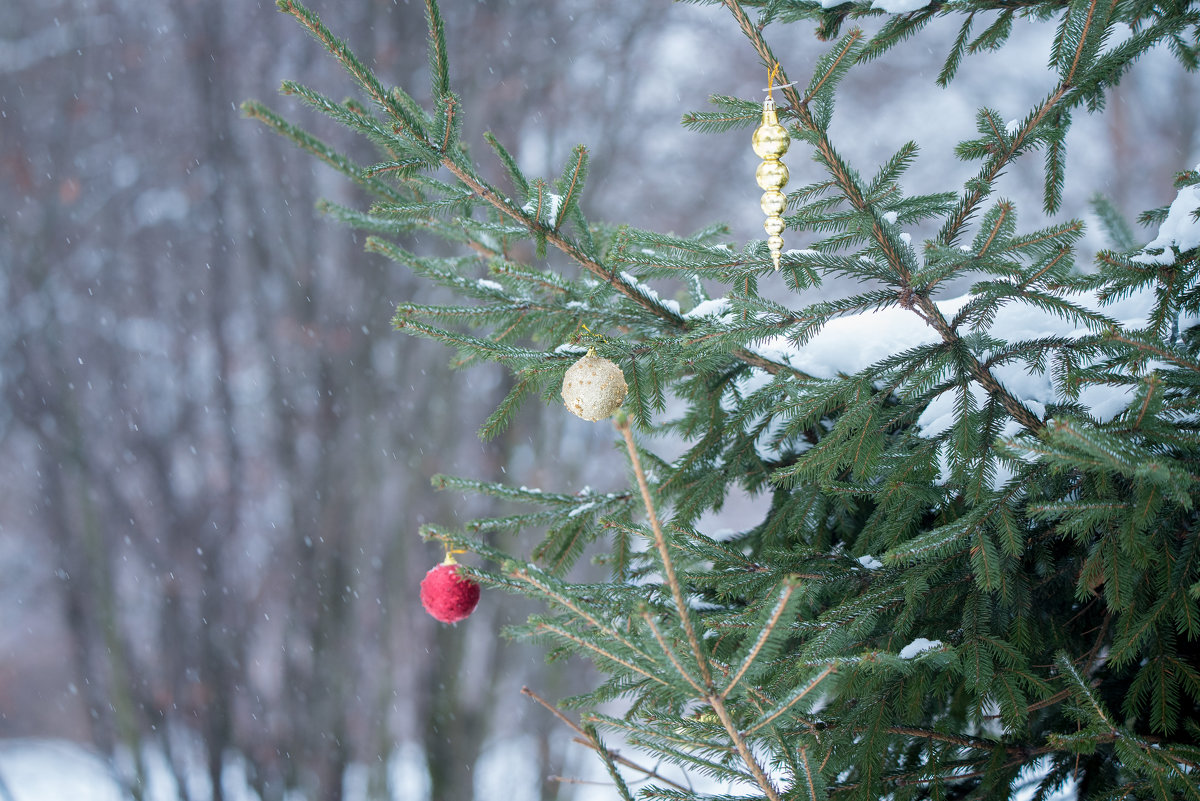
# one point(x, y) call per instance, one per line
point(214, 452)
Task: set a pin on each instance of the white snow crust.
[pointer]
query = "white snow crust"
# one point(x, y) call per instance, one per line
point(649, 292)
point(1180, 230)
point(898, 6)
point(852, 343)
point(917, 646)
point(549, 208)
point(709, 308)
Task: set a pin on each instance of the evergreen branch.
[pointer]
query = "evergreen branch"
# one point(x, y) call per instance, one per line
point(567, 603)
point(737, 114)
point(571, 636)
point(776, 614)
point(439, 63)
point(676, 738)
point(660, 542)
point(810, 782)
point(506, 354)
point(1083, 39)
point(1171, 355)
point(791, 701)
point(404, 167)
point(510, 165)
point(498, 420)
point(743, 748)
point(606, 756)
point(952, 739)
point(415, 130)
point(1080, 689)
point(950, 68)
point(590, 743)
point(848, 47)
point(1003, 208)
point(570, 249)
point(570, 185)
point(670, 653)
point(310, 144)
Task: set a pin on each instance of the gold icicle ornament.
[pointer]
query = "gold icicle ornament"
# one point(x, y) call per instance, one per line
point(770, 142)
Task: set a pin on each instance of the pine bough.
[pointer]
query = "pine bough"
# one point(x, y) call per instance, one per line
point(979, 572)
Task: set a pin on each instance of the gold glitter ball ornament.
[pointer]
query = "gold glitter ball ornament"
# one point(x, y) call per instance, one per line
point(594, 387)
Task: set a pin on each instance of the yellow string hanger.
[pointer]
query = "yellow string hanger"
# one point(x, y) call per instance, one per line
point(771, 87)
point(450, 552)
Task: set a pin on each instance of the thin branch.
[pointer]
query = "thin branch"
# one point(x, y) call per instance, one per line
point(583, 739)
point(854, 36)
point(739, 742)
point(762, 639)
point(571, 605)
point(671, 654)
point(812, 685)
point(660, 542)
point(714, 700)
point(562, 243)
point(575, 638)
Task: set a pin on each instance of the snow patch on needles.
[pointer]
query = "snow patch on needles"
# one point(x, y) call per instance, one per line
point(918, 646)
point(870, 562)
point(890, 6)
point(648, 292)
point(1181, 229)
point(709, 308)
point(549, 208)
point(850, 344)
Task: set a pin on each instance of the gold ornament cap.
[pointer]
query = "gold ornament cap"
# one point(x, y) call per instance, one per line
point(594, 387)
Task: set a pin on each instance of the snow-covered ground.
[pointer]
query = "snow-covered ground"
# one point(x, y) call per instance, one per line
point(54, 770)
point(59, 770)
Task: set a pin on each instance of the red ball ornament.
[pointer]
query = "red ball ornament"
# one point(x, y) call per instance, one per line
point(448, 596)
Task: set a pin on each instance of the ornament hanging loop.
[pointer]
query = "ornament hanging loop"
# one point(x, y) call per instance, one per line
point(770, 142)
point(451, 553)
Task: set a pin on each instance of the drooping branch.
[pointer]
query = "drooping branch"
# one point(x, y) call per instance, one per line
point(714, 699)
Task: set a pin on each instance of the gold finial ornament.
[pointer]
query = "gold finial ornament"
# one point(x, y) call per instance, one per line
point(770, 142)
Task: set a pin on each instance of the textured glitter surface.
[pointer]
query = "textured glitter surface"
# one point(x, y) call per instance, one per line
point(448, 596)
point(594, 388)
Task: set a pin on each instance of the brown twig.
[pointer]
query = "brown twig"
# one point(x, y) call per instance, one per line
point(780, 605)
point(712, 697)
point(660, 542)
point(583, 739)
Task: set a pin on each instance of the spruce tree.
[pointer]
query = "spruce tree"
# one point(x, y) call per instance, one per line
point(979, 571)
